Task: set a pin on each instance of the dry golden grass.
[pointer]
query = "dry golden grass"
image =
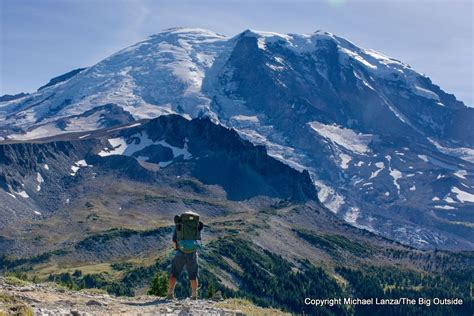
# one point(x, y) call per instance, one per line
point(248, 308)
point(10, 305)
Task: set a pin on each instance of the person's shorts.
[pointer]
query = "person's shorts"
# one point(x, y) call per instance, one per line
point(182, 259)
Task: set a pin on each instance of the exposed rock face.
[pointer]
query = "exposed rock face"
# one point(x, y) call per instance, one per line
point(10, 97)
point(242, 169)
point(62, 78)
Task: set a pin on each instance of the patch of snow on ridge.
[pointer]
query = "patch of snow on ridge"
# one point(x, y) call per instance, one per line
point(12, 195)
point(118, 147)
point(380, 165)
point(423, 157)
point(449, 199)
point(395, 174)
point(464, 153)
point(137, 142)
point(345, 159)
point(124, 127)
point(246, 118)
point(425, 93)
point(352, 215)
point(462, 195)
point(177, 152)
point(77, 165)
point(344, 137)
point(461, 174)
point(40, 180)
point(444, 207)
point(275, 67)
point(329, 197)
point(23, 194)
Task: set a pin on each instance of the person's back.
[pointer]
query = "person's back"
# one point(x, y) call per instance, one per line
point(186, 236)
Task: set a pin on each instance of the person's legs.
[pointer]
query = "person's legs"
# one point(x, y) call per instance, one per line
point(192, 267)
point(172, 284)
point(177, 265)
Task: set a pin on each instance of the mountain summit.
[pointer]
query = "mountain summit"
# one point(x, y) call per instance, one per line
point(387, 150)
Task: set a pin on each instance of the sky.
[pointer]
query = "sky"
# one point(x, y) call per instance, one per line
point(41, 39)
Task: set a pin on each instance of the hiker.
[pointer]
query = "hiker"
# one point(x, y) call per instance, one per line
point(186, 237)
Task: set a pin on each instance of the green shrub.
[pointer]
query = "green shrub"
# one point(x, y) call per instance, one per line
point(12, 280)
point(159, 284)
point(210, 290)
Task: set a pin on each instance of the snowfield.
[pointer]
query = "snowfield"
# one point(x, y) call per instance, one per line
point(344, 137)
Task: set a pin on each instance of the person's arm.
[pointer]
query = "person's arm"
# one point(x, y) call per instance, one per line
point(175, 246)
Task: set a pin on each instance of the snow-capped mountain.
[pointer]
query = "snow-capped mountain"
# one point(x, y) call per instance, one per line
point(387, 149)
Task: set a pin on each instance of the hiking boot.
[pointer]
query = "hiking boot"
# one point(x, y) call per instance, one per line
point(194, 296)
point(170, 296)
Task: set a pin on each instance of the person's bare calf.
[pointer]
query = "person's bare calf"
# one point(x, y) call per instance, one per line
point(194, 285)
point(172, 284)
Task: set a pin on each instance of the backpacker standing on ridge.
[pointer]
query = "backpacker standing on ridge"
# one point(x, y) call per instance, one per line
point(186, 234)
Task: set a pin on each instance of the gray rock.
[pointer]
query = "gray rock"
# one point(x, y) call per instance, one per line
point(217, 296)
point(94, 303)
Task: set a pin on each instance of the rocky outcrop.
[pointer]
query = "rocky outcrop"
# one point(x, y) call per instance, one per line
point(61, 78)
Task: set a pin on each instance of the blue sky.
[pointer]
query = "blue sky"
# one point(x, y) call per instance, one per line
point(41, 39)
